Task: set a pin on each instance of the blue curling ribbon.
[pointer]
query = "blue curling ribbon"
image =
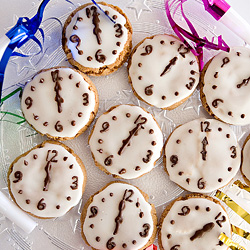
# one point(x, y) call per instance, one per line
point(22, 32)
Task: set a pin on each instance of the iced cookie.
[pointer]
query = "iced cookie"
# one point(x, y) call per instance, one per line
point(202, 155)
point(60, 103)
point(126, 141)
point(48, 180)
point(245, 163)
point(193, 222)
point(93, 43)
point(119, 217)
point(163, 72)
point(224, 86)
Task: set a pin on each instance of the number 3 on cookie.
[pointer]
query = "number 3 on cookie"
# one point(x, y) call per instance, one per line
point(74, 183)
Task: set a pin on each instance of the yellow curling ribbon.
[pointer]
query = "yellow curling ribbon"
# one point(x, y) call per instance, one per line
point(227, 241)
point(240, 232)
point(239, 184)
point(234, 206)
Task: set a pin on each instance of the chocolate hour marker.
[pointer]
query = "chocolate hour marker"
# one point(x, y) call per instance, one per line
point(94, 211)
point(105, 127)
point(74, 185)
point(58, 126)
point(201, 183)
point(108, 161)
point(119, 31)
point(18, 175)
point(174, 160)
point(184, 211)
point(99, 56)
point(145, 232)
point(28, 101)
point(148, 50)
point(148, 156)
point(76, 39)
point(215, 102)
point(225, 61)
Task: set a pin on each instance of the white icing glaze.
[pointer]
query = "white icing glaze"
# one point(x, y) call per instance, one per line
point(245, 168)
point(34, 174)
point(104, 222)
point(134, 152)
point(170, 88)
point(185, 226)
point(89, 44)
point(46, 108)
point(222, 160)
point(233, 73)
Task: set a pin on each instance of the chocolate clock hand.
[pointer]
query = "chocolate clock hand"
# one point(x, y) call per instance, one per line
point(133, 132)
point(119, 219)
point(199, 233)
point(55, 78)
point(48, 166)
point(204, 151)
point(168, 67)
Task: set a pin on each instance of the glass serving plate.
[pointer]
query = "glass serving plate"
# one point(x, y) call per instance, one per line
point(147, 18)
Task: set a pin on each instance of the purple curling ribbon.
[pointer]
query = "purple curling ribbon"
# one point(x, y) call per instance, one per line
point(192, 35)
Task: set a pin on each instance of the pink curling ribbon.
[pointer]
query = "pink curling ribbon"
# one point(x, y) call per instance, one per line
point(192, 35)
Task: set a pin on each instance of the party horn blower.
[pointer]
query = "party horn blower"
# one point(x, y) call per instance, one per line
point(15, 214)
point(225, 14)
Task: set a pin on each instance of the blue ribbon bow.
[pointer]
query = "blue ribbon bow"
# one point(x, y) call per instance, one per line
point(23, 31)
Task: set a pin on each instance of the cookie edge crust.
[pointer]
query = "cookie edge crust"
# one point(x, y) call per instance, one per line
point(173, 106)
point(242, 157)
point(92, 115)
point(202, 94)
point(183, 198)
point(100, 166)
point(107, 69)
point(90, 200)
point(79, 161)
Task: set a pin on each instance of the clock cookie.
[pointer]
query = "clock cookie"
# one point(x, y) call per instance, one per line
point(119, 217)
point(163, 72)
point(245, 163)
point(48, 180)
point(193, 222)
point(60, 103)
point(93, 43)
point(126, 141)
point(224, 86)
point(202, 155)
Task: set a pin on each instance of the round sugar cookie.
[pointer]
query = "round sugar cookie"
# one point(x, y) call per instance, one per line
point(93, 43)
point(60, 103)
point(126, 141)
point(224, 86)
point(119, 217)
point(193, 222)
point(48, 180)
point(245, 163)
point(163, 72)
point(202, 155)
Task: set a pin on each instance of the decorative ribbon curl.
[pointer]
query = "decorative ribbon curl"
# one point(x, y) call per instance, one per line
point(24, 30)
point(192, 35)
